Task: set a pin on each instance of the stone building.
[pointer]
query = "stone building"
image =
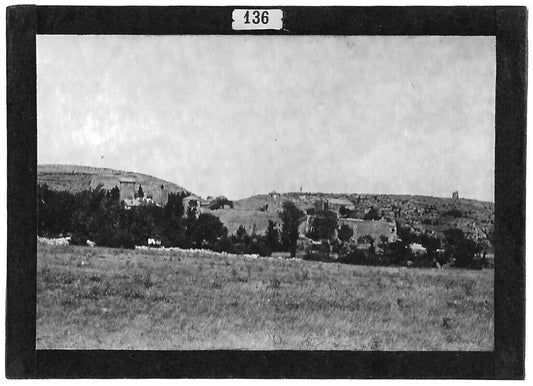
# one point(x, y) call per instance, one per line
point(160, 195)
point(333, 204)
point(127, 188)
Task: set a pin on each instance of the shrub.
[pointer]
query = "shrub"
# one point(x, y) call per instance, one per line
point(354, 256)
point(345, 233)
point(455, 213)
point(344, 212)
point(320, 252)
point(464, 254)
point(316, 256)
point(397, 253)
point(372, 214)
point(225, 245)
point(220, 202)
point(258, 247)
point(78, 239)
point(122, 239)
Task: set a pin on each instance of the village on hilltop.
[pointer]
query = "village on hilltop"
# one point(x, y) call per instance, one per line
point(369, 224)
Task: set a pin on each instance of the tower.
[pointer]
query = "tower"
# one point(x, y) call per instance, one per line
point(127, 189)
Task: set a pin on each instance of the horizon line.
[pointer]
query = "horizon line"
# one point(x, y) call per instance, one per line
point(267, 193)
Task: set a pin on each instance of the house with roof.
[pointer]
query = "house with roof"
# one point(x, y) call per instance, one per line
point(334, 204)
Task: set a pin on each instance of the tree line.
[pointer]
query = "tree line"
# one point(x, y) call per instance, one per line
point(99, 215)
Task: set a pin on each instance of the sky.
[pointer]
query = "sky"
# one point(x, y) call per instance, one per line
point(244, 115)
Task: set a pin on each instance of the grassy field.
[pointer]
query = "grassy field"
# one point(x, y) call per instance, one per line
point(99, 298)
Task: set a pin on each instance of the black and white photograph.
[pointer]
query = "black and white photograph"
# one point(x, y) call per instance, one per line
point(257, 191)
point(265, 192)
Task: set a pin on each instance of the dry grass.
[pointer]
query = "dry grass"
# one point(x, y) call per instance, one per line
point(99, 298)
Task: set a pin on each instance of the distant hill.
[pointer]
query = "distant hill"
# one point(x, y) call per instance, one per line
point(408, 207)
point(475, 218)
point(74, 178)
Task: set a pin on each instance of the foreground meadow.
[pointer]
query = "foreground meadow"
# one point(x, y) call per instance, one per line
point(100, 298)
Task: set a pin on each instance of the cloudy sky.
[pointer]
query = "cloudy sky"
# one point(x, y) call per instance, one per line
point(243, 115)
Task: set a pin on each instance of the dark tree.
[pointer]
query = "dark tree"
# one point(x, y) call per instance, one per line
point(406, 234)
point(383, 239)
point(366, 239)
point(140, 192)
point(353, 256)
point(208, 231)
point(272, 236)
point(190, 221)
point(372, 214)
point(323, 225)
point(431, 244)
point(241, 236)
point(114, 194)
point(345, 212)
point(454, 212)
point(290, 217)
point(174, 207)
point(345, 233)
point(258, 247)
point(459, 248)
point(225, 245)
point(398, 252)
point(465, 253)
point(174, 234)
point(454, 236)
point(54, 211)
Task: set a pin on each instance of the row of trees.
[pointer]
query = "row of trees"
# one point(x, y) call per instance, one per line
point(98, 215)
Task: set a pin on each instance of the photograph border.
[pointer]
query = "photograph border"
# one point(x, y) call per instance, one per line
point(508, 24)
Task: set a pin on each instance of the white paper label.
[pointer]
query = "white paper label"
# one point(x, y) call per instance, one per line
point(257, 19)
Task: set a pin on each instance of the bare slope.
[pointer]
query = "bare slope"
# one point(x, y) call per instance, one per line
point(74, 178)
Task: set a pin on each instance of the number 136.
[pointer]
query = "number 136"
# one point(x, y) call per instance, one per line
point(256, 17)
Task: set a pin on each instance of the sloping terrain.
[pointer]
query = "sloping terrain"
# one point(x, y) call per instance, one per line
point(74, 178)
point(475, 218)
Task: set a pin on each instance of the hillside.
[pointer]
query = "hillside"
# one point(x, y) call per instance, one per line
point(421, 213)
point(74, 178)
point(475, 218)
